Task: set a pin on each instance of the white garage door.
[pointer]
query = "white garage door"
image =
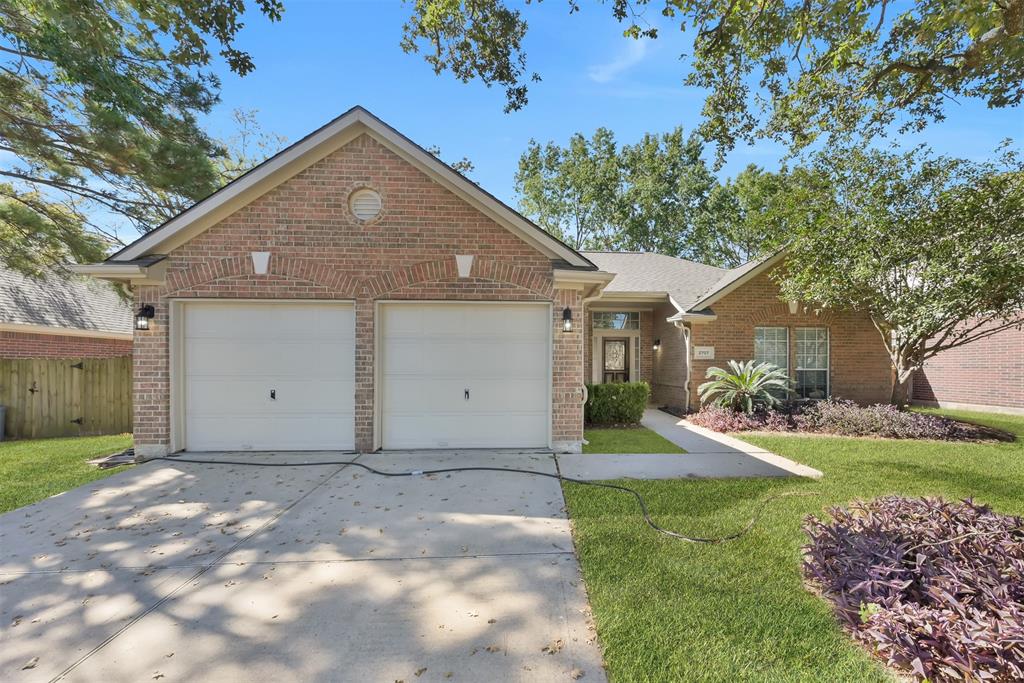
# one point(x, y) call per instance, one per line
point(275, 376)
point(465, 375)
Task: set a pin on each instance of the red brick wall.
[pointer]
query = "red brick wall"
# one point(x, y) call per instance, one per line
point(668, 387)
point(987, 372)
point(860, 368)
point(26, 345)
point(319, 250)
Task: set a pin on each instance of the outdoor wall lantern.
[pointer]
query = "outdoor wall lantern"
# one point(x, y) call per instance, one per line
point(146, 311)
point(657, 344)
point(566, 320)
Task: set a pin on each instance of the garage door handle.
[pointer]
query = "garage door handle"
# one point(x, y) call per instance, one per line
point(273, 394)
point(467, 394)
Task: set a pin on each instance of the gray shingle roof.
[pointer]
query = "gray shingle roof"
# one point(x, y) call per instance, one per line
point(65, 301)
point(685, 281)
point(732, 276)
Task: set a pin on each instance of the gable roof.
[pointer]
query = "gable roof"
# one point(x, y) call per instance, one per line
point(684, 281)
point(64, 301)
point(315, 146)
point(735, 278)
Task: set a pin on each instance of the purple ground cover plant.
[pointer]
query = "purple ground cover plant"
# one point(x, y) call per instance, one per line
point(843, 418)
point(934, 588)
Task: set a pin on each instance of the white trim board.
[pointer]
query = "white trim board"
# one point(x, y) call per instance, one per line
point(63, 331)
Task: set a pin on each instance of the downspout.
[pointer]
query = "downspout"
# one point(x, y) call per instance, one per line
point(595, 294)
point(686, 345)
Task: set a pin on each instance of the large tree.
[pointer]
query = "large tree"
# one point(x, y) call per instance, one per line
point(571, 191)
point(98, 116)
point(932, 248)
point(789, 69)
point(665, 190)
point(743, 217)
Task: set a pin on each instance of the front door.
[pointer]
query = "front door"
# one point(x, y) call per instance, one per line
point(616, 360)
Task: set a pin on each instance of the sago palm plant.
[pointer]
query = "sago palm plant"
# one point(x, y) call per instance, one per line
point(745, 386)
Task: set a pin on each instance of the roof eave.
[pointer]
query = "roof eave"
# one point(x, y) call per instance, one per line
point(128, 272)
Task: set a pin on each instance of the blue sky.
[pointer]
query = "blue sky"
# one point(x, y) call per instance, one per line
point(326, 56)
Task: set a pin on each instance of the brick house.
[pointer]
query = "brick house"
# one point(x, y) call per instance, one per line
point(987, 374)
point(353, 292)
point(62, 315)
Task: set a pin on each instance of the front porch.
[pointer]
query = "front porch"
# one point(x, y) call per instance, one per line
point(628, 339)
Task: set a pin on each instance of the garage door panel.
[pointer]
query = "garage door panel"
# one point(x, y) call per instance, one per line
point(455, 431)
point(432, 353)
point(216, 397)
point(291, 433)
point(406, 395)
point(235, 354)
point(307, 358)
point(269, 321)
point(485, 357)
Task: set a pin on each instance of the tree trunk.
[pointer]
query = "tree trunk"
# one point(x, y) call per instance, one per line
point(900, 391)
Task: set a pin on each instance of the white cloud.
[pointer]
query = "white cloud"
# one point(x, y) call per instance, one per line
point(635, 52)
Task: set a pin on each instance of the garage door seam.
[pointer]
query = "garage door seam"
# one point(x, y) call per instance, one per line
point(203, 570)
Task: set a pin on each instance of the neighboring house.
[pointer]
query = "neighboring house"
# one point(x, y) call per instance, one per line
point(353, 292)
point(62, 316)
point(987, 374)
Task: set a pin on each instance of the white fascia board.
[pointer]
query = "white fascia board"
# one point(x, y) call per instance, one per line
point(125, 272)
point(63, 331)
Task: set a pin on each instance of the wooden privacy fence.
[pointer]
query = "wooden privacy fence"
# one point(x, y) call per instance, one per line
point(66, 397)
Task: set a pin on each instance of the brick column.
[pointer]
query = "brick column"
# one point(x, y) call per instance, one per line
point(567, 374)
point(365, 349)
point(151, 385)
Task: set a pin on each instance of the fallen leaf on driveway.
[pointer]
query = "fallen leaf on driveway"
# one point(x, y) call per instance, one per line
point(576, 674)
point(31, 664)
point(554, 647)
point(419, 672)
point(493, 648)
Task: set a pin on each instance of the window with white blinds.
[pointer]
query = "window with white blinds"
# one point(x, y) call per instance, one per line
point(812, 352)
point(771, 345)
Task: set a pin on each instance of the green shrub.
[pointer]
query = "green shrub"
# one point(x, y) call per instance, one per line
point(616, 403)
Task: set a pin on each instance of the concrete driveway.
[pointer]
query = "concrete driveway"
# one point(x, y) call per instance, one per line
point(181, 572)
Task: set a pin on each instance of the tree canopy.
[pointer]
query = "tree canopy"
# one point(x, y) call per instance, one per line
point(929, 246)
point(98, 107)
point(657, 195)
point(792, 70)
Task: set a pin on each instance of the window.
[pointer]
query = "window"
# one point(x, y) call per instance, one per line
point(771, 345)
point(616, 321)
point(812, 362)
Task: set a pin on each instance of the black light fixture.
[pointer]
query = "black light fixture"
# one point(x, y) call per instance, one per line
point(566, 320)
point(657, 344)
point(146, 311)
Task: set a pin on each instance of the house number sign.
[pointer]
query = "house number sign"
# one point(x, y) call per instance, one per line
point(703, 352)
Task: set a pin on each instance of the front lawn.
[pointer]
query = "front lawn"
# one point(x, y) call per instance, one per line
point(35, 469)
point(669, 610)
point(629, 440)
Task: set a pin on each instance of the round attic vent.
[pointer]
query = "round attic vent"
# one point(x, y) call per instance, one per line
point(365, 204)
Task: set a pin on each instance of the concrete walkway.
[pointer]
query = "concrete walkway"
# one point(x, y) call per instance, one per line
point(191, 572)
point(708, 455)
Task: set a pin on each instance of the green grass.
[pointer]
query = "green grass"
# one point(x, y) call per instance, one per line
point(39, 468)
point(632, 440)
point(668, 610)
